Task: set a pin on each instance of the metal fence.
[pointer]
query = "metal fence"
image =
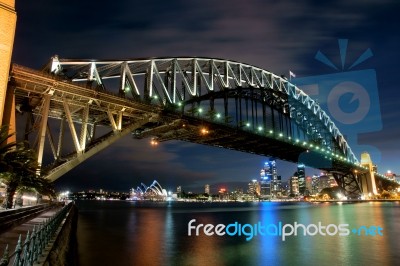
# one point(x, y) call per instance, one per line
point(28, 252)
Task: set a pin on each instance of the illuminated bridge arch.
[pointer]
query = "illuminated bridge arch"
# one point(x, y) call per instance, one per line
point(245, 96)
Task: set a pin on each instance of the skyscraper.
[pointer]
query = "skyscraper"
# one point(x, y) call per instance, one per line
point(207, 189)
point(301, 174)
point(254, 188)
point(270, 185)
point(294, 186)
point(308, 185)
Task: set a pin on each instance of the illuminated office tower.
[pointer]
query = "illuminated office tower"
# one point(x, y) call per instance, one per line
point(269, 183)
point(315, 180)
point(309, 186)
point(301, 174)
point(294, 185)
point(254, 188)
point(207, 189)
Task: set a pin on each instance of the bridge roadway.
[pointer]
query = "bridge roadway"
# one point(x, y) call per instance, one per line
point(68, 101)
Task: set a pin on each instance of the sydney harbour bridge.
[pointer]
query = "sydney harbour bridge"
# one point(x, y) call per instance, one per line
point(89, 104)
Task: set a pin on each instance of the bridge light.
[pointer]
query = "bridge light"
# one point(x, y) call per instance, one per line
point(297, 140)
point(204, 131)
point(311, 145)
point(289, 137)
point(218, 115)
point(179, 104)
point(200, 110)
point(280, 135)
point(270, 132)
point(317, 147)
point(155, 97)
point(247, 124)
point(260, 128)
point(304, 143)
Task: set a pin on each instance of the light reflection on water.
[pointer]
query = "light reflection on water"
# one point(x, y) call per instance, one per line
point(145, 233)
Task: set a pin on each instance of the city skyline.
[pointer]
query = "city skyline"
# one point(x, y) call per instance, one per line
point(261, 37)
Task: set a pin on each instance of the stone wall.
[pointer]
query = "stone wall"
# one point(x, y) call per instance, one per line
point(64, 249)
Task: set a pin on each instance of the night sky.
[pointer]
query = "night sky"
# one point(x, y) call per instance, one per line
point(275, 35)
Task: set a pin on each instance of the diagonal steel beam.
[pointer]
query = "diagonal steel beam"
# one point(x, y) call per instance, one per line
point(43, 127)
point(79, 158)
point(71, 126)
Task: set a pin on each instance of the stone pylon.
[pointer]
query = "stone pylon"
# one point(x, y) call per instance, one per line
point(368, 181)
point(8, 20)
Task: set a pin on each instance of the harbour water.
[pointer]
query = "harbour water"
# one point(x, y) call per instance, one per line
point(156, 233)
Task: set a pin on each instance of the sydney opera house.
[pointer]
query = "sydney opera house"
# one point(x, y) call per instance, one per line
point(152, 192)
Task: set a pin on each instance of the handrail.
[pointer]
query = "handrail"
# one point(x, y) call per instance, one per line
point(28, 252)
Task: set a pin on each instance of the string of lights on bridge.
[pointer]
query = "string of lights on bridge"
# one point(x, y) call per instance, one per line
point(280, 136)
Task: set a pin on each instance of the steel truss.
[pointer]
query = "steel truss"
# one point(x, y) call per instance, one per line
point(47, 100)
point(349, 182)
point(183, 81)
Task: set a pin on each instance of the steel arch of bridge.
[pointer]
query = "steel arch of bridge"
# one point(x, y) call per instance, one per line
point(188, 80)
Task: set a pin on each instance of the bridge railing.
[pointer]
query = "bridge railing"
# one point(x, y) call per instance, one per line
point(28, 252)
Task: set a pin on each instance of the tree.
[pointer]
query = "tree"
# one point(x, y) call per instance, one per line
point(4, 146)
point(18, 169)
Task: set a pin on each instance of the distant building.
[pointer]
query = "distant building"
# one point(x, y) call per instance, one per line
point(323, 182)
point(389, 174)
point(207, 189)
point(333, 181)
point(254, 188)
point(270, 182)
point(179, 189)
point(285, 188)
point(301, 174)
point(315, 180)
point(223, 194)
point(309, 186)
point(294, 185)
point(265, 185)
point(277, 186)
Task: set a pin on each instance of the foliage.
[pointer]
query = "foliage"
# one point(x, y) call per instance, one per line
point(18, 169)
point(4, 146)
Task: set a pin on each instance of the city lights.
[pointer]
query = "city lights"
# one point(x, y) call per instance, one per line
point(204, 131)
point(154, 142)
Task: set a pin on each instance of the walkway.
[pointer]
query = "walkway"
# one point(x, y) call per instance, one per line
point(11, 236)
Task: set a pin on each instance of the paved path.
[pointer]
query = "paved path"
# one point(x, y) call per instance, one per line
point(11, 236)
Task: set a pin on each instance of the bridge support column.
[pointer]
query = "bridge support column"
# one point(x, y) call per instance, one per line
point(9, 115)
point(8, 21)
point(43, 127)
point(368, 179)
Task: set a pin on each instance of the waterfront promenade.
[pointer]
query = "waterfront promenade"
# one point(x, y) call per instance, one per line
point(10, 237)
